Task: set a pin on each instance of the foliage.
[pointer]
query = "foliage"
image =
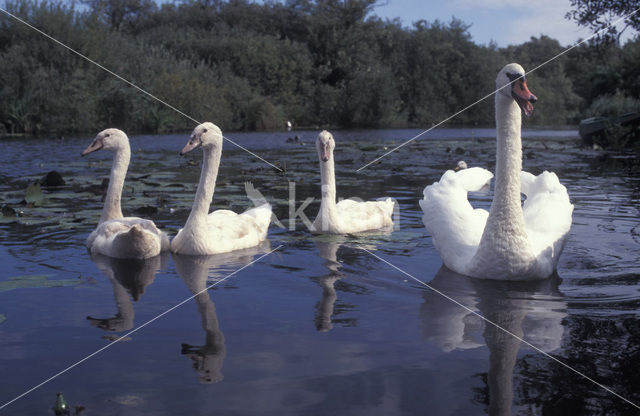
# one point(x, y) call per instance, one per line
point(252, 66)
point(612, 105)
point(599, 15)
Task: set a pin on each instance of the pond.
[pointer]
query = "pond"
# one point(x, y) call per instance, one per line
point(321, 325)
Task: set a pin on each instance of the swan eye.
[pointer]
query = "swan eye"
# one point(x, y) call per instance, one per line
point(516, 76)
point(107, 135)
point(204, 131)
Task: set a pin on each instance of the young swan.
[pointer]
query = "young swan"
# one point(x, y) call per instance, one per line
point(512, 241)
point(118, 236)
point(222, 230)
point(348, 215)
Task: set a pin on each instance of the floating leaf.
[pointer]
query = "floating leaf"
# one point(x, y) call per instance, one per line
point(155, 165)
point(33, 195)
point(129, 400)
point(2, 318)
point(116, 338)
point(31, 281)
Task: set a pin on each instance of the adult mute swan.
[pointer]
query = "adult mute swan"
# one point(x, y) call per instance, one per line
point(512, 241)
point(348, 215)
point(118, 236)
point(220, 231)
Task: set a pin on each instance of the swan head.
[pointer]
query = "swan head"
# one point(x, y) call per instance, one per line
point(461, 165)
point(109, 139)
point(512, 83)
point(325, 145)
point(207, 135)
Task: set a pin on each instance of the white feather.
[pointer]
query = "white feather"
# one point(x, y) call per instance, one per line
point(221, 231)
point(115, 235)
point(512, 242)
point(348, 215)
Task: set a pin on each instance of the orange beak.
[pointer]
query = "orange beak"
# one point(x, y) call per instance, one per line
point(525, 99)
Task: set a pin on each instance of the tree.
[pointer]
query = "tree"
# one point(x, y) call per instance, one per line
point(116, 13)
point(600, 14)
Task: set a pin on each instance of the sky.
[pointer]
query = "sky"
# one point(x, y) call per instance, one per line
point(507, 22)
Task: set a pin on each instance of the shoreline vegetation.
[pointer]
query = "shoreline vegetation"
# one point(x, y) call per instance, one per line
point(251, 67)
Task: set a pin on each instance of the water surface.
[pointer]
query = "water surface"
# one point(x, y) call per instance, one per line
point(320, 326)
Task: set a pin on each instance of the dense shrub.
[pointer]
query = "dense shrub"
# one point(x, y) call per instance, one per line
point(250, 66)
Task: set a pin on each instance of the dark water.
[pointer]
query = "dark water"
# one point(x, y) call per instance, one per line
point(320, 326)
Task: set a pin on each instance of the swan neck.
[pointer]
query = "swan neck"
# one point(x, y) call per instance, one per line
point(206, 187)
point(328, 179)
point(112, 209)
point(508, 155)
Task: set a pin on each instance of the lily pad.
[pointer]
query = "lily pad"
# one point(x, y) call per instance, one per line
point(33, 195)
point(2, 318)
point(31, 281)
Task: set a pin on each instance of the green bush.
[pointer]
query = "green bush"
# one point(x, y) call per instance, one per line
point(251, 66)
point(612, 105)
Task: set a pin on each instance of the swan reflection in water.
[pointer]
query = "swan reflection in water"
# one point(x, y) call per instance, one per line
point(328, 246)
point(531, 310)
point(199, 272)
point(129, 278)
point(324, 310)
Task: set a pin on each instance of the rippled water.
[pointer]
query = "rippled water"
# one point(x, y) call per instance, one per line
point(320, 326)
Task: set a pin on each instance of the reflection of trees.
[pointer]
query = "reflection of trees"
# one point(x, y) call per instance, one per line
point(199, 272)
point(607, 349)
point(129, 277)
point(532, 311)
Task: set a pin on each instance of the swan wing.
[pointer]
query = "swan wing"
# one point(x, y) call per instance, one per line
point(358, 216)
point(228, 231)
point(547, 215)
point(455, 226)
point(129, 237)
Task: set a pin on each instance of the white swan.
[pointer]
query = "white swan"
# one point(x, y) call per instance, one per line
point(222, 230)
point(118, 236)
point(348, 215)
point(512, 241)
